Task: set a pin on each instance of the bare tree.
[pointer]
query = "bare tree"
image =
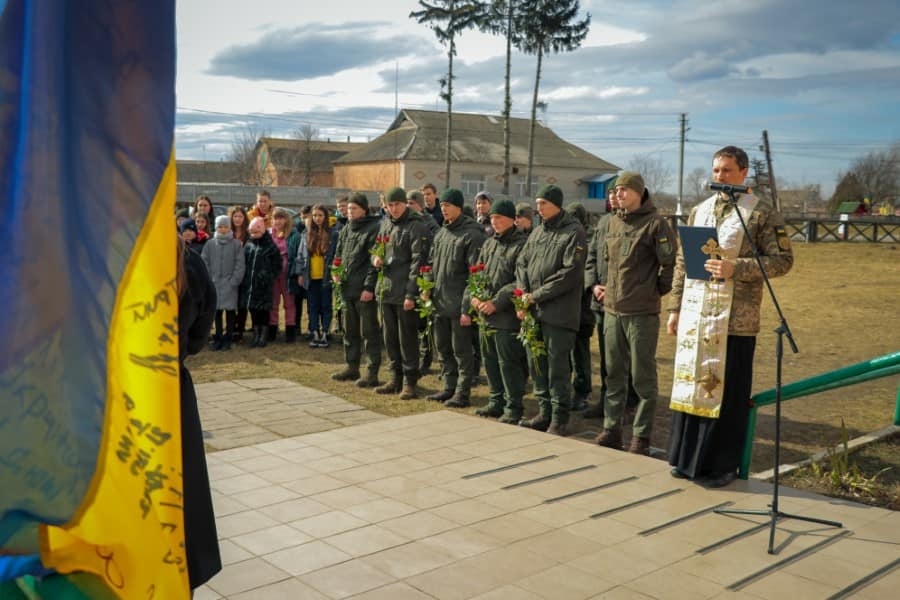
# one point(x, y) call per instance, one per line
point(500, 18)
point(243, 152)
point(448, 19)
point(879, 173)
point(657, 175)
point(308, 134)
point(695, 185)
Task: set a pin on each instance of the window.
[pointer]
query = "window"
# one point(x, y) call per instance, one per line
point(520, 187)
point(471, 184)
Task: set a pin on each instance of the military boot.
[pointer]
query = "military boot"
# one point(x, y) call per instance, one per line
point(610, 438)
point(369, 381)
point(511, 416)
point(540, 421)
point(490, 410)
point(640, 445)
point(457, 401)
point(349, 373)
point(409, 391)
point(394, 386)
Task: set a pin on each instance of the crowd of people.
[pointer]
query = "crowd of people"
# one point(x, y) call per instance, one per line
point(518, 290)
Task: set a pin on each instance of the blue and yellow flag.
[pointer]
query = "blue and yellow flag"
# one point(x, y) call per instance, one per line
point(90, 441)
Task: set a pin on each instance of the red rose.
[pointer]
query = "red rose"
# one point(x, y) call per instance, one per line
point(386, 239)
point(473, 269)
point(337, 262)
point(518, 293)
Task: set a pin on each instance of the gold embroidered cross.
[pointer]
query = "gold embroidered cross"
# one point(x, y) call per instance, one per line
point(712, 249)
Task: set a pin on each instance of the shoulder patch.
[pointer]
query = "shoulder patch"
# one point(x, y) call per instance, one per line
point(784, 240)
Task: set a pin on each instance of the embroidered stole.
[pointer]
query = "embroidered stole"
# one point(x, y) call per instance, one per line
point(703, 323)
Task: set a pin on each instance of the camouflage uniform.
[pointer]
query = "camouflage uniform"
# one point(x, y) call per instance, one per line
point(700, 446)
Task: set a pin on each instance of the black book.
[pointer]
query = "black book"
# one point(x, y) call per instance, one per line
point(698, 244)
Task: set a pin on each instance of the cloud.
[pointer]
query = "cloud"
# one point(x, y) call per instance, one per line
point(314, 50)
point(699, 67)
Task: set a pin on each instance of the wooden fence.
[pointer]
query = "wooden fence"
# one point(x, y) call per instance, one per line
point(832, 229)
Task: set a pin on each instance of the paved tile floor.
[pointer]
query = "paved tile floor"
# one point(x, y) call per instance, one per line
point(317, 498)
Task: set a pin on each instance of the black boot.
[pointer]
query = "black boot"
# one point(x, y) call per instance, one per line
point(290, 334)
point(254, 343)
point(272, 333)
point(263, 336)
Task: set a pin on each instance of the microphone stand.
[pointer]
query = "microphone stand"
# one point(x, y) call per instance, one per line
point(783, 331)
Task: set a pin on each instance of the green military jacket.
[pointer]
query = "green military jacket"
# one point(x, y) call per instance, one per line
point(354, 241)
point(551, 268)
point(406, 251)
point(767, 231)
point(455, 248)
point(640, 256)
point(499, 255)
point(595, 265)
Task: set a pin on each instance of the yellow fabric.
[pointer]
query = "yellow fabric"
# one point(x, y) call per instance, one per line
point(129, 529)
point(316, 266)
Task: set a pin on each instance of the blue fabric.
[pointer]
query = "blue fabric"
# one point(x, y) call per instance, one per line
point(78, 170)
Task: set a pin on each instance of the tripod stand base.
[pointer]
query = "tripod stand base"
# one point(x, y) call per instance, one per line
point(774, 515)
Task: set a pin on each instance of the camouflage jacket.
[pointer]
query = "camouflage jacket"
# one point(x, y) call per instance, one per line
point(767, 231)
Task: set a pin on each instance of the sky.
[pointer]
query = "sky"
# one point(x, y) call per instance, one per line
point(822, 78)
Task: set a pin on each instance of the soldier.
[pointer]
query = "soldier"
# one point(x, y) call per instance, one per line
point(595, 280)
point(416, 202)
point(640, 256)
point(406, 250)
point(503, 354)
point(581, 353)
point(706, 442)
point(550, 272)
point(360, 312)
point(455, 249)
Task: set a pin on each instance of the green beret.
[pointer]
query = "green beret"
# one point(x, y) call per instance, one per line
point(551, 193)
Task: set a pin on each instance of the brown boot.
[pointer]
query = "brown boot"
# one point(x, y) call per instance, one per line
point(409, 391)
point(391, 387)
point(457, 401)
point(557, 428)
point(610, 438)
point(540, 421)
point(369, 381)
point(640, 445)
point(348, 374)
point(489, 410)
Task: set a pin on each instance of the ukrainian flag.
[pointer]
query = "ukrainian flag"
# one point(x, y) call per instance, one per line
point(90, 441)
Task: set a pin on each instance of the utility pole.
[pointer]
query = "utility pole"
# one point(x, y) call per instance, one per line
point(678, 208)
point(775, 202)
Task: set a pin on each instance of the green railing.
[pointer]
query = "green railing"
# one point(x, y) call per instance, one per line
point(876, 368)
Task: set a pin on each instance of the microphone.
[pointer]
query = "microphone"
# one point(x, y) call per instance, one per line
point(729, 188)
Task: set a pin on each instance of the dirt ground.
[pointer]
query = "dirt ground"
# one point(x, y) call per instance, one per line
point(840, 301)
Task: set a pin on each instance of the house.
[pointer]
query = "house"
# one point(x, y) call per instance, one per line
point(299, 162)
point(207, 171)
point(411, 153)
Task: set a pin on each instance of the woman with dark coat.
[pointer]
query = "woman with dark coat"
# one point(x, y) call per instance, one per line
point(262, 264)
point(196, 309)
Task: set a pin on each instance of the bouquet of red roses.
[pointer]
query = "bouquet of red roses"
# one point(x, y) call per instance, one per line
point(380, 250)
point(479, 287)
point(530, 329)
point(337, 279)
point(424, 303)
